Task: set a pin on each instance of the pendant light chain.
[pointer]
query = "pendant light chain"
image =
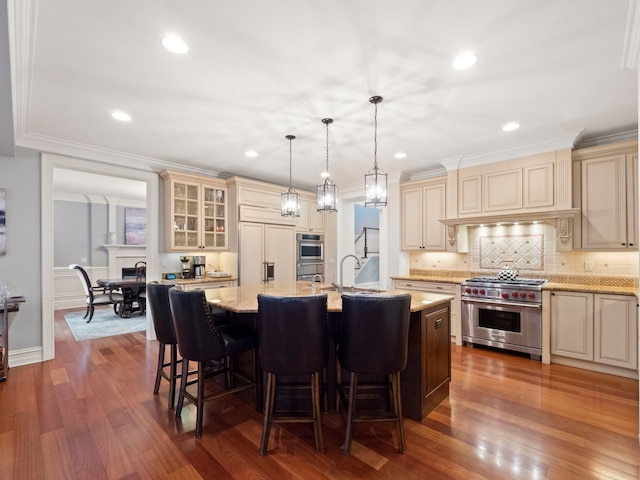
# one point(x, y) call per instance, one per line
point(327, 124)
point(375, 137)
point(290, 156)
point(376, 180)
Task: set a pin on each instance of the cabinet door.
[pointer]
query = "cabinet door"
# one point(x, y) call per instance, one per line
point(280, 248)
point(412, 219)
point(310, 220)
point(616, 334)
point(438, 348)
point(185, 207)
point(572, 324)
point(632, 200)
point(250, 252)
point(433, 198)
point(604, 218)
point(214, 217)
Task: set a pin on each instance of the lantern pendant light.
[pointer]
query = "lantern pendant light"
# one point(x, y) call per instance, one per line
point(375, 182)
point(328, 191)
point(290, 200)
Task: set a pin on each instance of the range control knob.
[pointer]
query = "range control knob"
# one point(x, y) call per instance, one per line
point(505, 295)
point(532, 295)
point(482, 292)
point(467, 290)
point(523, 295)
point(475, 290)
point(514, 294)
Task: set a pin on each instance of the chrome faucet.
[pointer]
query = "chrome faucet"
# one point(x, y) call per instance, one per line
point(318, 277)
point(340, 286)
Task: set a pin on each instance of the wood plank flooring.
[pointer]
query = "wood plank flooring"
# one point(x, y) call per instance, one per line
point(91, 413)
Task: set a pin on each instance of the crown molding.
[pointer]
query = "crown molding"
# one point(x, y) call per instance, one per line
point(438, 172)
point(509, 153)
point(588, 142)
point(46, 144)
point(631, 44)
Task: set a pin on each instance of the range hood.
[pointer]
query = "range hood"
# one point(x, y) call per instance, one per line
point(520, 217)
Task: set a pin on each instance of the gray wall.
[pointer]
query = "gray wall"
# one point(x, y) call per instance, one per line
point(20, 267)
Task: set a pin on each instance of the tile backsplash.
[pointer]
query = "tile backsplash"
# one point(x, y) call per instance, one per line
point(529, 248)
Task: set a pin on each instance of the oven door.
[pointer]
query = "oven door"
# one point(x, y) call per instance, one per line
point(307, 270)
point(310, 251)
point(509, 325)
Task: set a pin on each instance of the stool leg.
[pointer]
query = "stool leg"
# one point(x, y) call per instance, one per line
point(159, 368)
point(317, 421)
point(397, 408)
point(268, 412)
point(173, 375)
point(353, 384)
point(200, 399)
point(257, 374)
point(183, 385)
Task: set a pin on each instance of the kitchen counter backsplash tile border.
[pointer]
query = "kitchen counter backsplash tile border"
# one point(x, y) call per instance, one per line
point(552, 278)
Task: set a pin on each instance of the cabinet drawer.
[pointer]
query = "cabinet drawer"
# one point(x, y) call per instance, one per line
point(427, 286)
point(249, 213)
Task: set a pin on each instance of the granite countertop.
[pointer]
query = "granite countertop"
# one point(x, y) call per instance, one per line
point(558, 286)
point(191, 281)
point(245, 299)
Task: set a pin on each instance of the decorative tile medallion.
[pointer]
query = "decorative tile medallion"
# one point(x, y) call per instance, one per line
point(520, 252)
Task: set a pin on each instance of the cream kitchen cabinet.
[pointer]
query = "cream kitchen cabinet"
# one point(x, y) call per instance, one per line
point(423, 205)
point(595, 327)
point(195, 212)
point(310, 220)
point(438, 287)
point(266, 253)
point(607, 192)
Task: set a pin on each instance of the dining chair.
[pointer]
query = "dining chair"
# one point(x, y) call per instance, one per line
point(201, 340)
point(294, 340)
point(96, 295)
point(373, 339)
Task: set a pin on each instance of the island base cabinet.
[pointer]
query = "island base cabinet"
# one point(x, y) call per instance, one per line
point(425, 381)
point(616, 330)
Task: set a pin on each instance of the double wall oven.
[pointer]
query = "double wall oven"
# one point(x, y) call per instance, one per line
point(503, 313)
point(309, 256)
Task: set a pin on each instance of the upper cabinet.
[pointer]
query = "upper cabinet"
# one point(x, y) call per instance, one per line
point(195, 212)
point(310, 220)
point(606, 190)
point(423, 205)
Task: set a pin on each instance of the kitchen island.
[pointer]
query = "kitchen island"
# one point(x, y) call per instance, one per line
point(425, 381)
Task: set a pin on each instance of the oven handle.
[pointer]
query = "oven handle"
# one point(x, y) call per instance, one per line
point(497, 304)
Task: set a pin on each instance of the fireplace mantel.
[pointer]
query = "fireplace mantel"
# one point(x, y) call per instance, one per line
point(124, 256)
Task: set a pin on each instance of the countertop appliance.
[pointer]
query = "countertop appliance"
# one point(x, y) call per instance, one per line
point(310, 256)
point(503, 313)
point(186, 266)
point(199, 266)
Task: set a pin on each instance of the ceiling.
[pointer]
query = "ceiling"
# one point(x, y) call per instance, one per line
point(257, 71)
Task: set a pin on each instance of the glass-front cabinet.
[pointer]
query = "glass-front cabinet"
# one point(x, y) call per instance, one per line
point(195, 212)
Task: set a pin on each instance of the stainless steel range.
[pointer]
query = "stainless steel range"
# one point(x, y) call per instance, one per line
point(503, 313)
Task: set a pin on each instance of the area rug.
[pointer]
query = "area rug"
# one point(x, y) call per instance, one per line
point(105, 323)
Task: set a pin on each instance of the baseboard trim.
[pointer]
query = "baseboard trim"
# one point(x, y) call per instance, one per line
point(25, 356)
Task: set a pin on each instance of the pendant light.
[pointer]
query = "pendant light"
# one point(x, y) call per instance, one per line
point(290, 200)
point(328, 191)
point(375, 182)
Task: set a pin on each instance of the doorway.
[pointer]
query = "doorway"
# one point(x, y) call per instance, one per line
point(50, 163)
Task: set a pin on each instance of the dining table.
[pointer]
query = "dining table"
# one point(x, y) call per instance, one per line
point(425, 380)
point(131, 288)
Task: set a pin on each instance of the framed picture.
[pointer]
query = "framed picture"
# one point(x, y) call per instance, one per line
point(135, 226)
point(3, 223)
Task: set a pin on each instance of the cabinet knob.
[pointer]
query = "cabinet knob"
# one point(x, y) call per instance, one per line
point(553, 293)
point(631, 244)
point(438, 323)
point(623, 244)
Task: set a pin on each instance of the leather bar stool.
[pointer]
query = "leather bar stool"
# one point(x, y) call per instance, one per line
point(373, 339)
point(158, 296)
point(201, 340)
point(294, 340)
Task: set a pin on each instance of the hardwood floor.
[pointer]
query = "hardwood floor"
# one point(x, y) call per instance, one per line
point(91, 413)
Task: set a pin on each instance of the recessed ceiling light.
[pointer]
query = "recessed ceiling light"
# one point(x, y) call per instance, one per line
point(464, 60)
point(121, 116)
point(251, 153)
point(400, 155)
point(174, 43)
point(511, 126)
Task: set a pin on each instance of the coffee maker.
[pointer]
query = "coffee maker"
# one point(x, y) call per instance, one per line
point(186, 266)
point(199, 266)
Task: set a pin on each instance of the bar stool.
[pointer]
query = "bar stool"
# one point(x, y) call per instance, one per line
point(166, 336)
point(373, 340)
point(202, 341)
point(294, 340)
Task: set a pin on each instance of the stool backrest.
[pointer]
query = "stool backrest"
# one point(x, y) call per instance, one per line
point(198, 338)
point(374, 333)
point(158, 300)
point(293, 333)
